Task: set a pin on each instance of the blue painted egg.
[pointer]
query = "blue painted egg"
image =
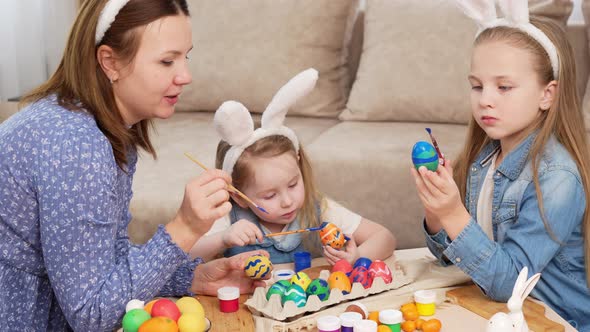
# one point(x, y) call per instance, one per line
point(320, 288)
point(296, 294)
point(279, 287)
point(301, 279)
point(257, 267)
point(360, 274)
point(362, 261)
point(424, 154)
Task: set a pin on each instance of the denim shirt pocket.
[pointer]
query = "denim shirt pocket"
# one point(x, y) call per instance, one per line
point(505, 217)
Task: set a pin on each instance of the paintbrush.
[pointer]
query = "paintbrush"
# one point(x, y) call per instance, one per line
point(440, 155)
point(310, 229)
point(232, 188)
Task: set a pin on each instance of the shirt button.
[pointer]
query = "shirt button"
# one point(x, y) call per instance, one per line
point(458, 260)
point(473, 169)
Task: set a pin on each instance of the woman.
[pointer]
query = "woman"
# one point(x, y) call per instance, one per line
point(67, 162)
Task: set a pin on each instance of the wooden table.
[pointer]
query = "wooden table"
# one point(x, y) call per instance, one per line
point(240, 320)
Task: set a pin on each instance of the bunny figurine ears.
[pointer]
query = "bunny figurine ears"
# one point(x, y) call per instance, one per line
point(516, 15)
point(234, 124)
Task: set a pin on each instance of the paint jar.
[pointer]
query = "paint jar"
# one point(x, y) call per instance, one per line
point(347, 320)
point(328, 324)
point(302, 260)
point(285, 274)
point(392, 318)
point(365, 325)
point(228, 299)
point(425, 302)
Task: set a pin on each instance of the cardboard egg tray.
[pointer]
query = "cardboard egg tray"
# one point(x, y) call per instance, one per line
point(273, 308)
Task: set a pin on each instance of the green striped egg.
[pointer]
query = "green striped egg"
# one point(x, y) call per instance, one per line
point(279, 287)
point(296, 294)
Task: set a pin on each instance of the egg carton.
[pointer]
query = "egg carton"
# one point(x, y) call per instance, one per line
point(272, 308)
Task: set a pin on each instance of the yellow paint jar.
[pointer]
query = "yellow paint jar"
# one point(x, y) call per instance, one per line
point(425, 302)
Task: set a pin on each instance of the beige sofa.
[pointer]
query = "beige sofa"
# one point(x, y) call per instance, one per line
point(388, 69)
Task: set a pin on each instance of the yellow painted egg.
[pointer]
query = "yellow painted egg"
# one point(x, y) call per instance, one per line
point(258, 267)
point(301, 279)
point(189, 304)
point(192, 322)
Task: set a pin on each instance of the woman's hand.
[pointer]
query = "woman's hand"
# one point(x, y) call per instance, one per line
point(211, 276)
point(205, 200)
point(441, 199)
point(242, 233)
point(349, 252)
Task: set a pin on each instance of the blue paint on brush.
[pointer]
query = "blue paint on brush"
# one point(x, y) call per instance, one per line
point(262, 209)
point(429, 131)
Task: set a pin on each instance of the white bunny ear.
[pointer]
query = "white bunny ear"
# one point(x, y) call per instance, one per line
point(287, 96)
point(482, 11)
point(516, 11)
point(233, 122)
point(529, 285)
point(520, 282)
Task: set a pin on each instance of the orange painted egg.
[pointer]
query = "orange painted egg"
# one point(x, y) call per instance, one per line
point(159, 324)
point(332, 236)
point(340, 281)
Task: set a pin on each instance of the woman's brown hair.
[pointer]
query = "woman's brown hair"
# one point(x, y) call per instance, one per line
point(273, 146)
point(564, 119)
point(79, 81)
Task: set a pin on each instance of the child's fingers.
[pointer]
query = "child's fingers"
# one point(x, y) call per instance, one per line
point(428, 178)
point(420, 185)
point(329, 253)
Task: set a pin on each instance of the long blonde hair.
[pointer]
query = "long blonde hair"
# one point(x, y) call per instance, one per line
point(273, 146)
point(79, 81)
point(564, 119)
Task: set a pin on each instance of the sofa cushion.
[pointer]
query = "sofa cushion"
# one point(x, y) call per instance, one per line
point(365, 166)
point(246, 50)
point(158, 185)
point(415, 60)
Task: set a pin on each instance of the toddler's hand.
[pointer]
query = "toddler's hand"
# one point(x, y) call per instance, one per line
point(349, 252)
point(241, 233)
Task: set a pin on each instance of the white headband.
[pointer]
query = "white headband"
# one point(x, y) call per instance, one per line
point(234, 123)
point(516, 14)
point(107, 17)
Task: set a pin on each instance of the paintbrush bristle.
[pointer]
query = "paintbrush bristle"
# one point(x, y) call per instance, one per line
point(429, 131)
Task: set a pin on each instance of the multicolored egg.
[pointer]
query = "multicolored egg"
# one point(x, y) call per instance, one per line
point(424, 154)
point(361, 275)
point(320, 288)
point(340, 281)
point(258, 267)
point(364, 262)
point(332, 236)
point(342, 265)
point(301, 279)
point(279, 287)
point(381, 270)
point(296, 294)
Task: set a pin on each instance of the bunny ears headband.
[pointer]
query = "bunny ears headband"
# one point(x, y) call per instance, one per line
point(107, 17)
point(235, 125)
point(516, 15)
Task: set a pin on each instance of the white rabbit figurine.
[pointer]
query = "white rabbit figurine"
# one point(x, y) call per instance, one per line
point(514, 321)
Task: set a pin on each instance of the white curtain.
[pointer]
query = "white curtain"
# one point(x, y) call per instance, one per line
point(33, 35)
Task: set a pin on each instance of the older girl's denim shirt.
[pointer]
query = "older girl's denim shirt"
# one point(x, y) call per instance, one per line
point(520, 236)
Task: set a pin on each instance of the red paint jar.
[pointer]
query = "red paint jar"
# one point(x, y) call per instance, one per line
point(228, 299)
